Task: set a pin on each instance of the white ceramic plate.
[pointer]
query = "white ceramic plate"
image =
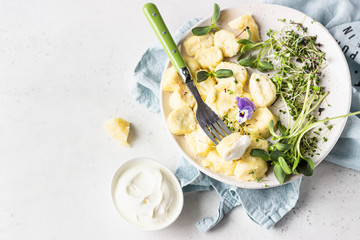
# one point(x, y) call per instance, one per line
point(336, 79)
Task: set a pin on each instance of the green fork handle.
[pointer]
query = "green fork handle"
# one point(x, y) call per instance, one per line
point(153, 15)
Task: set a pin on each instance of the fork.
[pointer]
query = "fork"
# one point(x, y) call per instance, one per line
point(208, 120)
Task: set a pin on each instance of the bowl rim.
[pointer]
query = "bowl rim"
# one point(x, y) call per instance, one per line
point(173, 180)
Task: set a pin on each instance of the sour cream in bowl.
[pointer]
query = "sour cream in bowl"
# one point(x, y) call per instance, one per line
point(147, 194)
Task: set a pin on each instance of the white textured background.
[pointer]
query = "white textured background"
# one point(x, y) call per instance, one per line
point(65, 68)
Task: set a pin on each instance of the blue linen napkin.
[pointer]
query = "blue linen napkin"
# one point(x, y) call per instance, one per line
point(267, 206)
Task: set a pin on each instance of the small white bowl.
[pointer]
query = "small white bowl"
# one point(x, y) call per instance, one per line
point(178, 194)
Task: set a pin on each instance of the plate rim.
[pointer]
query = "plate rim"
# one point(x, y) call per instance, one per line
point(239, 183)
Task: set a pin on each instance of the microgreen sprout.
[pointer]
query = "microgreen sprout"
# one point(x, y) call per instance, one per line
point(298, 62)
point(221, 73)
point(199, 31)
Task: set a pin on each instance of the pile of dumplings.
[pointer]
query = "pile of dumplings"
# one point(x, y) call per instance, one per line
point(212, 52)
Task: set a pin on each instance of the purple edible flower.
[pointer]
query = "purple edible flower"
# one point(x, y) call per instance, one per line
point(246, 109)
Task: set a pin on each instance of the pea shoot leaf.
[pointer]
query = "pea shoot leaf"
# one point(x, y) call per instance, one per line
point(216, 14)
point(223, 73)
point(249, 33)
point(199, 31)
point(244, 41)
point(284, 165)
point(279, 173)
point(305, 168)
point(202, 76)
point(261, 153)
point(247, 62)
point(265, 66)
point(283, 146)
point(275, 155)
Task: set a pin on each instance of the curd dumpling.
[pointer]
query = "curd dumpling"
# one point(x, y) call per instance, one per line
point(209, 57)
point(250, 168)
point(233, 146)
point(196, 43)
point(199, 143)
point(171, 80)
point(205, 87)
point(227, 43)
point(193, 65)
point(119, 129)
point(214, 162)
point(223, 96)
point(262, 89)
point(179, 98)
point(181, 121)
point(244, 21)
point(240, 72)
point(258, 124)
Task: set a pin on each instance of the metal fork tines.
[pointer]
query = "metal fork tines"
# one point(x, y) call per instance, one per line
point(211, 124)
point(208, 120)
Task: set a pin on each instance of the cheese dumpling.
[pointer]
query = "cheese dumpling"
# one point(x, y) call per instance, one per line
point(196, 43)
point(240, 72)
point(209, 57)
point(258, 124)
point(262, 89)
point(244, 21)
point(171, 80)
point(223, 96)
point(215, 162)
point(181, 121)
point(250, 168)
point(119, 129)
point(227, 43)
point(179, 98)
point(205, 87)
point(193, 65)
point(233, 146)
point(199, 143)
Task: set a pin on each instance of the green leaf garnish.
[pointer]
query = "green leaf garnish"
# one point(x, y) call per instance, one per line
point(275, 155)
point(283, 146)
point(284, 165)
point(271, 128)
point(223, 73)
point(305, 168)
point(199, 31)
point(279, 173)
point(261, 153)
point(247, 62)
point(249, 33)
point(244, 41)
point(202, 76)
point(310, 162)
point(216, 14)
point(282, 129)
point(265, 66)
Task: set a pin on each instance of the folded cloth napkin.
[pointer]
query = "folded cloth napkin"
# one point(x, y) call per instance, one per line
point(266, 206)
